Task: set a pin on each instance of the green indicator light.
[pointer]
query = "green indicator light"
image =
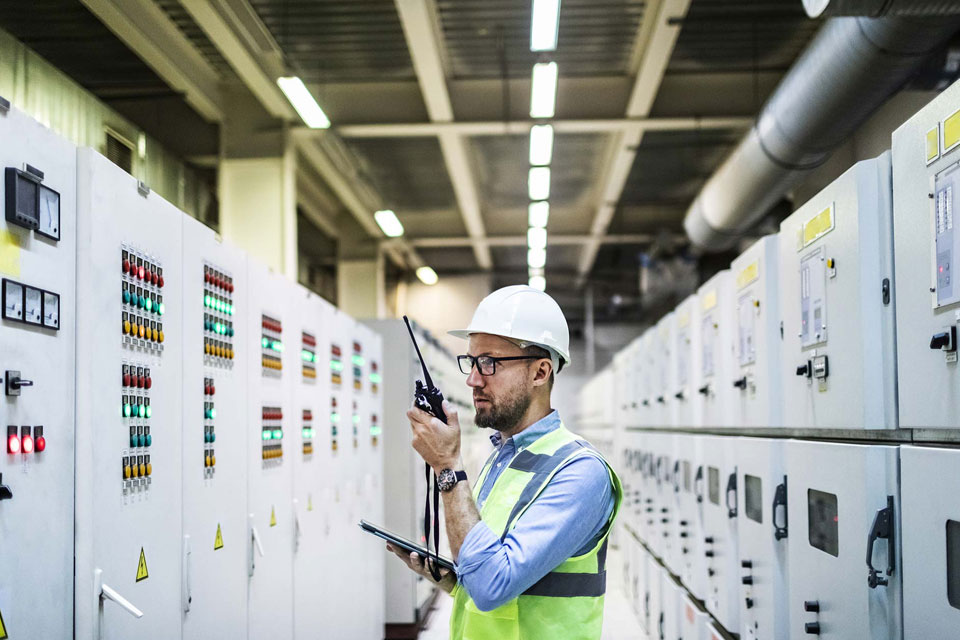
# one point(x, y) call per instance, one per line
point(307, 356)
point(265, 342)
point(375, 431)
point(143, 411)
point(206, 301)
point(277, 434)
point(126, 410)
point(375, 378)
point(336, 365)
point(149, 412)
point(277, 346)
point(356, 419)
point(213, 413)
point(335, 417)
point(358, 361)
point(160, 308)
point(149, 304)
point(266, 435)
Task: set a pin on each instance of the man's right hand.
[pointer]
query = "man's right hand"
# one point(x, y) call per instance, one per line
point(417, 564)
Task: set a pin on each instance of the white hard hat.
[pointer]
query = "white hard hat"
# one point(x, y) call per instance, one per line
point(525, 315)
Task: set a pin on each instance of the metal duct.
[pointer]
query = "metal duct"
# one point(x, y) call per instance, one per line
point(878, 8)
point(851, 67)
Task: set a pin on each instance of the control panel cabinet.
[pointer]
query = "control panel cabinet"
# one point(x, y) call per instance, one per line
point(757, 363)
point(216, 353)
point(693, 619)
point(310, 456)
point(717, 488)
point(661, 518)
point(714, 386)
point(837, 305)
point(272, 422)
point(843, 507)
point(129, 411)
point(653, 598)
point(929, 478)
point(37, 332)
point(645, 390)
point(661, 360)
point(671, 605)
point(762, 533)
point(926, 169)
point(687, 561)
point(686, 362)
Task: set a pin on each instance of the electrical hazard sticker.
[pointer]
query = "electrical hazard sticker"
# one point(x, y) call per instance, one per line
point(273, 516)
point(142, 573)
point(218, 541)
point(3, 628)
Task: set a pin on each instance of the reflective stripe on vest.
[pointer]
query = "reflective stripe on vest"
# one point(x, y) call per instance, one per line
point(567, 602)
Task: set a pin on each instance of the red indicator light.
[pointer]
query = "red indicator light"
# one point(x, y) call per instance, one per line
point(126, 266)
point(141, 272)
point(13, 444)
point(27, 444)
point(40, 444)
point(148, 382)
point(160, 281)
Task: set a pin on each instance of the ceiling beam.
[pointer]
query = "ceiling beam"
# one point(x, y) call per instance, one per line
point(554, 240)
point(522, 127)
point(155, 39)
point(419, 22)
point(317, 205)
point(656, 40)
point(228, 31)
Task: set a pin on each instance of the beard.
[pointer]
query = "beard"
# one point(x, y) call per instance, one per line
point(505, 414)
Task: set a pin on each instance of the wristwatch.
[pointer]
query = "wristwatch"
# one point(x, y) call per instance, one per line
point(448, 478)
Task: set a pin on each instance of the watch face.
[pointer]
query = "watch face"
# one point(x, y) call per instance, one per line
point(49, 223)
point(446, 479)
point(32, 306)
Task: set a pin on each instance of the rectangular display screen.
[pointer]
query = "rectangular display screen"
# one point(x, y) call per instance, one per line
point(753, 497)
point(685, 465)
point(823, 522)
point(953, 563)
point(713, 482)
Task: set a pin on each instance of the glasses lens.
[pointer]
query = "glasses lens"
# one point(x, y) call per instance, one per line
point(466, 363)
point(487, 365)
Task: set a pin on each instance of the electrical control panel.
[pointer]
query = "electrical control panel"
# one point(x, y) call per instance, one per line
point(844, 506)
point(762, 529)
point(272, 423)
point(129, 454)
point(931, 541)
point(837, 306)
point(216, 348)
point(661, 362)
point(645, 375)
point(715, 375)
point(37, 332)
point(926, 168)
point(687, 562)
point(686, 361)
point(757, 377)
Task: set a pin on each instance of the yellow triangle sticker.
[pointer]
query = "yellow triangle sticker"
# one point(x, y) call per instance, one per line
point(309, 502)
point(3, 628)
point(218, 541)
point(142, 573)
point(273, 516)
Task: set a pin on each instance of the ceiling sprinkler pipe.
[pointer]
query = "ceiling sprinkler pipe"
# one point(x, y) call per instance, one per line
point(879, 8)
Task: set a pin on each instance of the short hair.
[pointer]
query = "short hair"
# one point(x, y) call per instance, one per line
point(540, 352)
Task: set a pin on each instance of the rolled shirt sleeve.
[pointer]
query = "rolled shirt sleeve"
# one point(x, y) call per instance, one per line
point(564, 521)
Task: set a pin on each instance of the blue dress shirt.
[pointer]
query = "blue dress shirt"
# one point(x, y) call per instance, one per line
point(566, 520)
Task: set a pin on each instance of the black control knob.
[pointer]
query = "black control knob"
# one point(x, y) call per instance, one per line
point(708, 554)
point(749, 603)
point(747, 580)
point(746, 564)
point(741, 383)
point(708, 539)
point(661, 400)
point(678, 395)
point(805, 370)
point(685, 550)
point(812, 628)
point(684, 534)
point(811, 606)
point(711, 572)
point(664, 520)
point(945, 340)
point(705, 389)
point(684, 523)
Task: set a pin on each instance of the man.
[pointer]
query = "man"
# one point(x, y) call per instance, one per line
point(530, 539)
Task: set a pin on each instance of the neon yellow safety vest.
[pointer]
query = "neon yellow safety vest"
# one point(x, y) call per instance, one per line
point(567, 603)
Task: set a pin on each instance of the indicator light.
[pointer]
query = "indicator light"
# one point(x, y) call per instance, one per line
point(266, 435)
point(149, 412)
point(126, 472)
point(148, 439)
point(265, 342)
point(206, 300)
point(160, 308)
point(143, 411)
point(40, 444)
point(126, 297)
point(160, 281)
point(133, 439)
point(149, 468)
point(126, 410)
point(277, 434)
point(149, 304)
point(13, 443)
point(26, 443)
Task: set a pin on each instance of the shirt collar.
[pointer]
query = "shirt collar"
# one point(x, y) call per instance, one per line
point(532, 433)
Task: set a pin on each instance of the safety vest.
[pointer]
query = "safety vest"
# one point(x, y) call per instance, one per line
point(567, 603)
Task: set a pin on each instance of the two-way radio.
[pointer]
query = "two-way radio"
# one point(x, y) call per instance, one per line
point(427, 397)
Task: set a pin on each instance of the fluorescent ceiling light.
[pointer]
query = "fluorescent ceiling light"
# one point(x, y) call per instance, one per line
point(536, 258)
point(535, 272)
point(543, 90)
point(538, 213)
point(543, 27)
point(538, 183)
point(538, 282)
point(427, 275)
point(541, 144)
point(304, 102)
point(389, 224)
point(537, 238)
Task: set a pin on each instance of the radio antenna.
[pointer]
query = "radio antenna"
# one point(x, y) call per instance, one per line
point(426, 374)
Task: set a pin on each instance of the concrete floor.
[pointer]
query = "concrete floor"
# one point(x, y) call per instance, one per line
point(619, 622)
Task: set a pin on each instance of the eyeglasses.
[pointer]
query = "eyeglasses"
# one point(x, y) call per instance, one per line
point(486, 365)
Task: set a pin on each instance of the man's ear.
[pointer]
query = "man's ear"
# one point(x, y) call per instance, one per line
point(542, 372)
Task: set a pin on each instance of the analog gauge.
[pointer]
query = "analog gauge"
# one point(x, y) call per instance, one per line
point(49, 223)
point(12, 300)
point(51, 310)
point(33, 306)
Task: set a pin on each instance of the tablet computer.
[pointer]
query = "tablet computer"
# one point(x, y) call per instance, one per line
point(405, 544)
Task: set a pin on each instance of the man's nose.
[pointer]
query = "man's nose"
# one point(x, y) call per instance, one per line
point(475, 380)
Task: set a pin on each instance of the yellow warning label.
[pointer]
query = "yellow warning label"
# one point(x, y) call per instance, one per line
point(818, 226)
point(933, 144)
point(709, 300)
point(142, 573)
point(683, 320)
point(748, 275)
point(309, 502)
point(9, 258)
point(3, 628)
point(273, 517)
point(951, 131)
point(218, 541)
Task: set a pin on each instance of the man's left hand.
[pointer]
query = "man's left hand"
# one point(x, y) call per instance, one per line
point(437, 443)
